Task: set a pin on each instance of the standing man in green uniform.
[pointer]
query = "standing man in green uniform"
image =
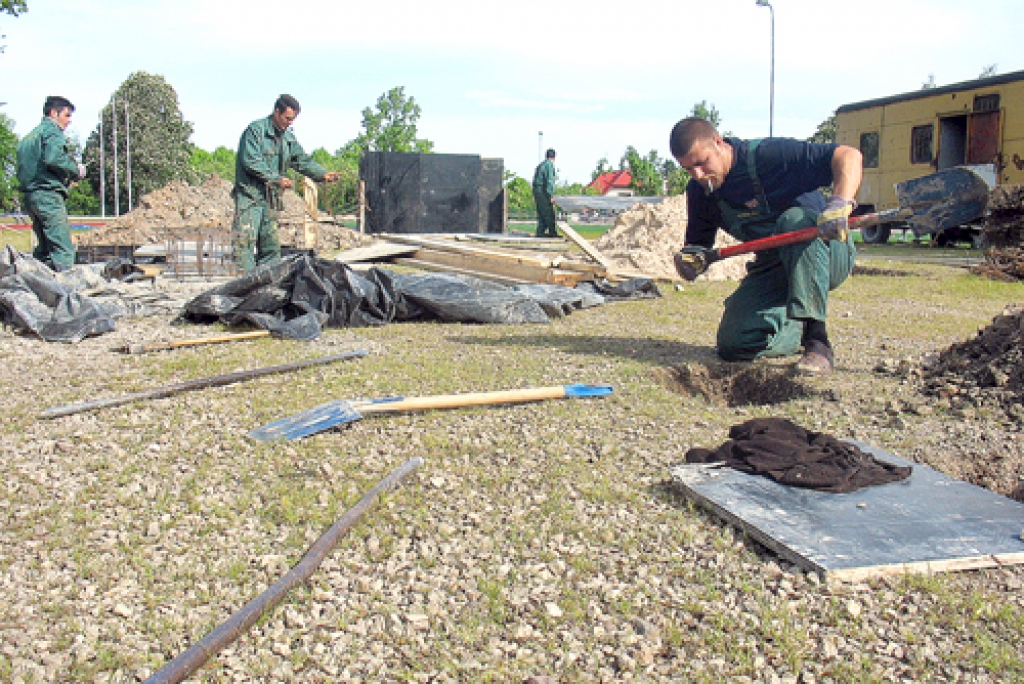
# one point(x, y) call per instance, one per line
point(45, 170)
point(266, 151)
point(758, 188)
point(544, 195)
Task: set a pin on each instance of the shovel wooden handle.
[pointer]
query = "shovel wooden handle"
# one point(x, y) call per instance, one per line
point(448, 401)
point(174, 344)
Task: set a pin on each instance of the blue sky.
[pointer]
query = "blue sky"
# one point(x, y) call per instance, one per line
point(594, 76)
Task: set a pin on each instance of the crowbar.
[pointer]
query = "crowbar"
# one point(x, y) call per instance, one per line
point(343, 411)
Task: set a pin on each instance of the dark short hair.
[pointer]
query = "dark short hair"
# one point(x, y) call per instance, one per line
point(58, 103)
point(688, 132)
point(287, 102)
point(550, 154)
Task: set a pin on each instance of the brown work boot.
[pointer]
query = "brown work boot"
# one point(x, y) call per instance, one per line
point(817, 359)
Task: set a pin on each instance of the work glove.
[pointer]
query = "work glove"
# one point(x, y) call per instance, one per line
point(81, 171)
point(690, 262)
point(834, 222)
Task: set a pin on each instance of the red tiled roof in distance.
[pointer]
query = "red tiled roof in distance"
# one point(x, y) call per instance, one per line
point(611, 180)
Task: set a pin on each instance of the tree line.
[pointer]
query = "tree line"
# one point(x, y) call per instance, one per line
point(143, 120)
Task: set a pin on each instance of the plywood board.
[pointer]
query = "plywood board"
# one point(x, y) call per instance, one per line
point(927, 523)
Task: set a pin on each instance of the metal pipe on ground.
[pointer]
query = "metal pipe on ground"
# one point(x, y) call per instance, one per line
point(185, 664)
point(200, 383)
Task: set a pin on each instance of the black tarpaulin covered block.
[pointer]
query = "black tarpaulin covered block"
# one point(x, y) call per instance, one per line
point(432, 193)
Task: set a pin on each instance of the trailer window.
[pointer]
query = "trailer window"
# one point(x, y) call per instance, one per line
point(921, 145)
point(986, 103)
point(869, 148)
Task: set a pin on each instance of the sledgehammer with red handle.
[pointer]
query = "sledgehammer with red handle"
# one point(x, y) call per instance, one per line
point(928, 204)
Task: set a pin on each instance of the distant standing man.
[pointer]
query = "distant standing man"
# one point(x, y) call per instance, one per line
point(544, 195)
point(758, 188)
point(45, 170)
point(266, 151)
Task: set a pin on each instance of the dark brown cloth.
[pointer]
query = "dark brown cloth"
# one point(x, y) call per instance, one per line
point(778, 449)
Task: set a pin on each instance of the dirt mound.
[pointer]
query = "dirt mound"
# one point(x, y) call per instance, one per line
point(986, 371)
point(1004, 225)
point(179, 208)
point(645, 237)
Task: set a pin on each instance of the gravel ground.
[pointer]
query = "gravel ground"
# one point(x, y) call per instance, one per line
point(537, 541)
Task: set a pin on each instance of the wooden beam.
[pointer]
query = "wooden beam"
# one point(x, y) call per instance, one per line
point(469, 250)
point(582, 243)
point(428, 266)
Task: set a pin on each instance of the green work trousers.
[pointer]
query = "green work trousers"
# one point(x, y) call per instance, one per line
point(784, 285)
point(545, 214)
point(254, 234)
point(50, 225)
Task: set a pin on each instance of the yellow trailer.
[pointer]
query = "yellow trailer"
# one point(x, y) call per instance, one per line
point(977, 123)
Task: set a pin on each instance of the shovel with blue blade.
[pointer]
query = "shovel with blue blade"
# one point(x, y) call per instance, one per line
point(334, 413)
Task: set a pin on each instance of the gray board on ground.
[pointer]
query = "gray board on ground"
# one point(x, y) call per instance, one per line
point(929, 522)
point(580, 202)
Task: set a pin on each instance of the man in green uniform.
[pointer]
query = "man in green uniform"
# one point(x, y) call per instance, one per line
point(266, 151)
point(45, 170)
point(543, 195)
point(758, 188)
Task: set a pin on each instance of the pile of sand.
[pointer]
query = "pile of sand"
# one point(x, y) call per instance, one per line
point(646, 237)
point(985, 371)
point(178, 208)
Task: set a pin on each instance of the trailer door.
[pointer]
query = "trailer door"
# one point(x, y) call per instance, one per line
point(983, 138)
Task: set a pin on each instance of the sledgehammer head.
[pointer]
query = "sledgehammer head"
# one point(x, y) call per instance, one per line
point(690, 262)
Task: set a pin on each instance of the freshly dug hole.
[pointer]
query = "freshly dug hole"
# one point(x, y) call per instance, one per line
point(735, 384)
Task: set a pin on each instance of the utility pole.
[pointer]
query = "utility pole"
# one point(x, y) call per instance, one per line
point(117, 198)
point(128, 152)
point(771, 105)
point(103, 173)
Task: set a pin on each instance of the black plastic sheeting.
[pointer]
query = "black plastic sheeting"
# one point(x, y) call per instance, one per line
point(297, 296)
point(34, 298)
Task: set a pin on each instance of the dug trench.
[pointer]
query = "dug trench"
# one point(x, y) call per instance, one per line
point(733, 385)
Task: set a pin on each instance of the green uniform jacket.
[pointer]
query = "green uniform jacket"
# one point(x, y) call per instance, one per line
point(264, 155)
point(544, 177)
point(43, 159)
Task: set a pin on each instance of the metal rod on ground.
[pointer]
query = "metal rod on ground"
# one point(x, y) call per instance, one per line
point(200, 383)
point(191, 660)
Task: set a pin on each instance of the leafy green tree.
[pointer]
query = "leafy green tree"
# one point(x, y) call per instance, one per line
point(220, 162)
point(13, 7)
point(826, 132)
point(8, 162)
point(340, 197)
point(602, 167)
point(520, 193)
point(82, 201)
point(701, 110)
point(160, 147)
point(645, 177)
point(391, 126)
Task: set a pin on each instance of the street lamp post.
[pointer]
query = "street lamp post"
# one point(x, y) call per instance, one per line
point(771, 105)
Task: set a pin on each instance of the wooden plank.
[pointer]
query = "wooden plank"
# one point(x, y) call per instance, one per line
point(927, 523)
point(484, 264)
point(450, 246)
point(428, 266)
point(582, 243)
point(310, 224)
point(381, 251)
